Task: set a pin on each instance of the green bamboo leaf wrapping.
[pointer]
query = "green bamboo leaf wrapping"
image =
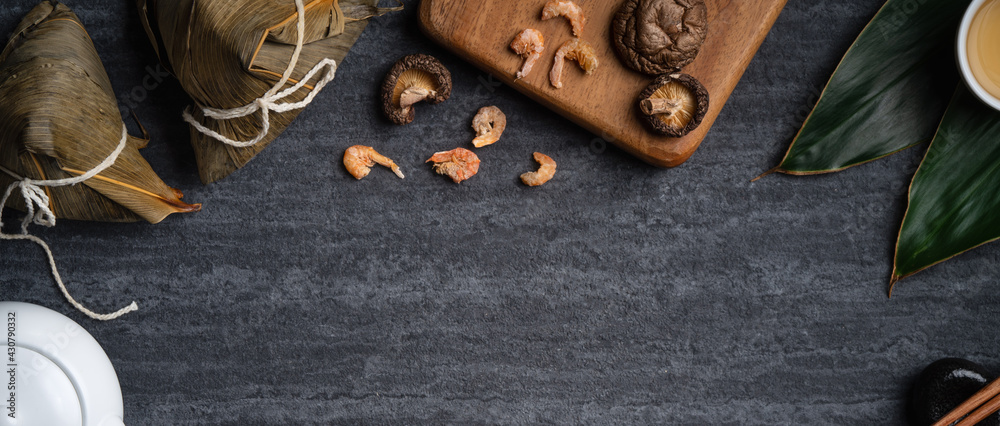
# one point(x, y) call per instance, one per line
point(887, 94)
point(954, 203)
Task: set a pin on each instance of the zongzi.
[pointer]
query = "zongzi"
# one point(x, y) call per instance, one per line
point(60, 120)
point(232, 56)
point(62, 140)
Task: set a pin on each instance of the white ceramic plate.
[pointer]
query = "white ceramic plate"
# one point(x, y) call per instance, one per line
point(55, 373)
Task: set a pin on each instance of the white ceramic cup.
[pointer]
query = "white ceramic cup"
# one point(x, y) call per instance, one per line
point(963, 57)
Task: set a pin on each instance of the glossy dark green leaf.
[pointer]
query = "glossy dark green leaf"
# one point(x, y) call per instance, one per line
point(955, 195)
point(889, 91)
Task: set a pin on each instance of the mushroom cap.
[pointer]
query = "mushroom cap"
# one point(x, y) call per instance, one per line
point(659, 36)
point(438, 74)
point(697, 90)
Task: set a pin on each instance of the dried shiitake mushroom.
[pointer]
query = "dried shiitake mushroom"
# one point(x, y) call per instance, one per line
point(413, 79)
point(659, 36)
point(674, 104)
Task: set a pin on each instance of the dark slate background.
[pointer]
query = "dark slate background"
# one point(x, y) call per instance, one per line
point(617, 293)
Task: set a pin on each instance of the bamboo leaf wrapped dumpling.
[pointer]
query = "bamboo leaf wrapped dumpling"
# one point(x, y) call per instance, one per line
point(228, 53)
point(59, 119)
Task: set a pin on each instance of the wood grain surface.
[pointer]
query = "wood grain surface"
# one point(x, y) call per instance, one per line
point(604, 102)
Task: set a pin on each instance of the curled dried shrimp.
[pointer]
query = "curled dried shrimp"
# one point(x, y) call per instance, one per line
point(359, 159)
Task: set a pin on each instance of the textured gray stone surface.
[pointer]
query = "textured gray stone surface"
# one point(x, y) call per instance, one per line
point(617, 293)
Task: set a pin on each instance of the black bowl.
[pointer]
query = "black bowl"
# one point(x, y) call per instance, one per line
point(944, 385)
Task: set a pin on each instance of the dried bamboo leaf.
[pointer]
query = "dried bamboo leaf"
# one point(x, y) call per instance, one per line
point(227, 53)
point(65, 121)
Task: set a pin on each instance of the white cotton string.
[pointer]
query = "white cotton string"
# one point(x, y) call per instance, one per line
point(37, 204)
point(270, 100)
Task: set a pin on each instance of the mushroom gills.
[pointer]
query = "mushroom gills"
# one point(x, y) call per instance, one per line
point(413, 86)
point(673, 104)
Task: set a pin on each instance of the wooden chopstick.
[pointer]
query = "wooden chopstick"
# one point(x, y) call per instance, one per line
point(981, 413)
point(990, 395)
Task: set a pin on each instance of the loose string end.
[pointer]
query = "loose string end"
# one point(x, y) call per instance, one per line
point(118, 314)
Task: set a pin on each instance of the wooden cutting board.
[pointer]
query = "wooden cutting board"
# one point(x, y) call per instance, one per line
point(480, 31)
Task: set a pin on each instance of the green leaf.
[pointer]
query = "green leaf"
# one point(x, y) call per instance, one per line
point(954, 203)
point(887, 94)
